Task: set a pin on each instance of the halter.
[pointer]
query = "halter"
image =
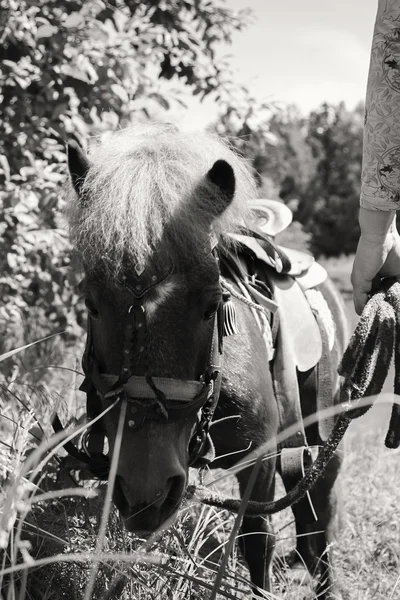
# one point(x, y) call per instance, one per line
point(159, 399)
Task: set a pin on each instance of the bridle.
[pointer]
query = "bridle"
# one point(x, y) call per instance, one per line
point(160, 399)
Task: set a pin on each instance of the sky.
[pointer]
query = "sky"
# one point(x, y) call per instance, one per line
point(301, 52)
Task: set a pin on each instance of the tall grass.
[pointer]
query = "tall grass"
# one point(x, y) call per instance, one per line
point(61, 537)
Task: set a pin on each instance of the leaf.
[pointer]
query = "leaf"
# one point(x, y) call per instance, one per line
point(23, 83)
point(84, 63)
point(21, 348)
point(49, 175)
point(74, 20)
point(75, 72)
point(9, 63)
point(271, 138)
point(119, 91)
point(160, 99)
point(5, 166)
point(24, 218)
point(26, 171)
point(53, 238)
point(12, 261)
point(46, 31)
point(30, 201)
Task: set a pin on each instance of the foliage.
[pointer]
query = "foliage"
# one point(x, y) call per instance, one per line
point(249, 132)
point(329, 205)
point(313, 164)
point(291, 160)
point(75, 68)
point(186, 557)
point(273, 139)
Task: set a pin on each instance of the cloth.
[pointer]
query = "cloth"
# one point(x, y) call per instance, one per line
point(380, 179)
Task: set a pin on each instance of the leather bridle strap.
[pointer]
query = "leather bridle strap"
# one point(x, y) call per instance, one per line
point(183, 398)
point(179, 398)
point(137, 387)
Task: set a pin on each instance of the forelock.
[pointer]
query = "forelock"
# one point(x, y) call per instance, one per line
point(147, 180)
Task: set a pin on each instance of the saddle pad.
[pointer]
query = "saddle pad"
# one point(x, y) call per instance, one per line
point(296, 320)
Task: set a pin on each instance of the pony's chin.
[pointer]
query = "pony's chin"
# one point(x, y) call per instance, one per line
point(169, 521)
point(132, 527)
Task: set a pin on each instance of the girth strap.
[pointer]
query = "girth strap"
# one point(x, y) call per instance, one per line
point(325, 394)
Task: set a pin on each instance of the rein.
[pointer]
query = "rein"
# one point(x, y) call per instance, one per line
point(364, 368)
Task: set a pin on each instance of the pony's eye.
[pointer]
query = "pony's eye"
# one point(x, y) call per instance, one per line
point(211, 310)
point(91, 308)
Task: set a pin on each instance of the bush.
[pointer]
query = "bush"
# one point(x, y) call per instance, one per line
point(329, 205)
point(75, 68)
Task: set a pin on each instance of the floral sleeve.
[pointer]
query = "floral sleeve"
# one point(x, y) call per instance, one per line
point(380, 179)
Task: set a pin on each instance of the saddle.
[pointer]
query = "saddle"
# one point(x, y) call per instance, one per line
point(279, 278)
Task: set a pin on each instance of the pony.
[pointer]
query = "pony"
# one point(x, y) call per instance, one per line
point(150, 210)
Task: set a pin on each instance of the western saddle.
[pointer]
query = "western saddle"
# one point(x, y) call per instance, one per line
point(298, 337)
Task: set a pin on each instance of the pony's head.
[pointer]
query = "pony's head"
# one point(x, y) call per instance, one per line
point(145, 211)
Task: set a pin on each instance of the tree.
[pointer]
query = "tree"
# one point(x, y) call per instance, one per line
point(329, 205)
point(312, 163)
point(273, 140)
point(292, 157)
point(74, 68)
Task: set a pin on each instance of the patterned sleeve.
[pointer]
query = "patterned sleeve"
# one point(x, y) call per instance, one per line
point(380, 178)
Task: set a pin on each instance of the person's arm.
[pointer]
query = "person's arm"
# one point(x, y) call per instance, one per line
point(377, 256)
point(380, 178)
point(376, 224)
point(378, 252)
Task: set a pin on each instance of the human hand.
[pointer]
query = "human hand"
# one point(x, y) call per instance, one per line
point(377, 256)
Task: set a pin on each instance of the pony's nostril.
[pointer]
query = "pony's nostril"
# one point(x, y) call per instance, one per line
point(169, 497)
point(161, 496)
point(175, 487)
point(148, 514)
point(119, 496)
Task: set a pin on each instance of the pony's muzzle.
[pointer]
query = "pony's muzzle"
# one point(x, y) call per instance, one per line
point(148, 516)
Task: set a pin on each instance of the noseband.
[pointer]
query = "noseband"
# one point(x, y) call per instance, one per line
point(159, 399)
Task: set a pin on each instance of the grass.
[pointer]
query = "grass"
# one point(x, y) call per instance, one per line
point(182, 562)
point(368, 551)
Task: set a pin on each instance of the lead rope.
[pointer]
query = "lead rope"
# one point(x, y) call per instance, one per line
point(364, 367)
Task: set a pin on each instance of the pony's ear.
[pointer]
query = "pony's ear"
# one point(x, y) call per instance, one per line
point(221, 174)
point(78, 165)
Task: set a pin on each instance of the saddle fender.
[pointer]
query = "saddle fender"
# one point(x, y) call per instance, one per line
point(299, 339)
